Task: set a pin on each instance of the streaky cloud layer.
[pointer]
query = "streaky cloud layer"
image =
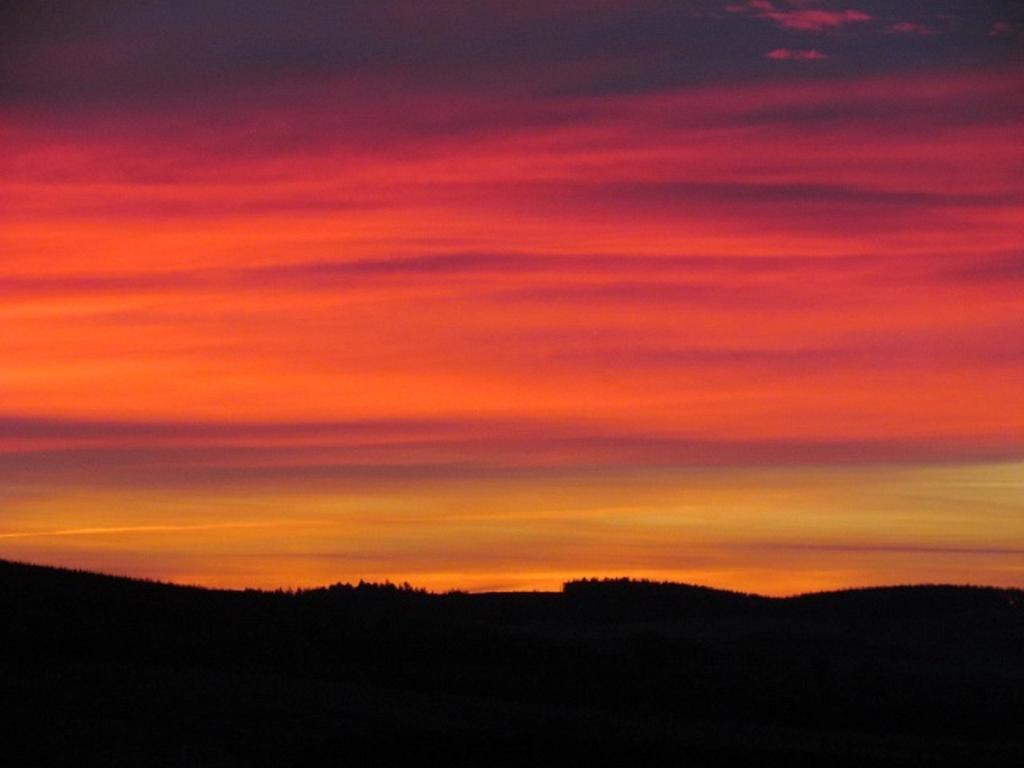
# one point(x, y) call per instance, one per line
point(296, 292)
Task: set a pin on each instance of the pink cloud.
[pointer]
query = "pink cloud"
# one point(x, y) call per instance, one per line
point(807, 20)
point(813, 21)
point(788, 54)
point(755, 5)
point(1001, 29)
point(910, 28)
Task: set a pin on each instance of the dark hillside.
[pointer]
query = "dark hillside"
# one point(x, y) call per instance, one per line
point(121, 672)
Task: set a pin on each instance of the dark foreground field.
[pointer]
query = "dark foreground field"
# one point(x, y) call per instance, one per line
point(98, 670)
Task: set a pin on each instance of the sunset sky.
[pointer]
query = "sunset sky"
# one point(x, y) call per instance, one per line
point(491, 295)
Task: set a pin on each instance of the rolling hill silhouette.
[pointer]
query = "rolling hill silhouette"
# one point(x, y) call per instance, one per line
point(119, 672)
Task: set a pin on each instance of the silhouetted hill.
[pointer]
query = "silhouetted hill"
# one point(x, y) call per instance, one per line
point(112, 671)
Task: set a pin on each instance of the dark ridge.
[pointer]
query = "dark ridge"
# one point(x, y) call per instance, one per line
point(123, 672)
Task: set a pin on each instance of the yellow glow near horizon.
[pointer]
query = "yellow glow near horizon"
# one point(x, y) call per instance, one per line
point(775, 531)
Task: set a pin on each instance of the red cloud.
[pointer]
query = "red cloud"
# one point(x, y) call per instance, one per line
point(788, 54)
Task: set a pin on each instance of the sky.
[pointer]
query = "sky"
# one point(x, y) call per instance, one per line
point(491, 295)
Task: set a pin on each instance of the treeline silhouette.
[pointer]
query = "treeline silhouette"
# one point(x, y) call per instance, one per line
point(121, 672)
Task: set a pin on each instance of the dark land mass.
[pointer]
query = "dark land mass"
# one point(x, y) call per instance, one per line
point(117, 672)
